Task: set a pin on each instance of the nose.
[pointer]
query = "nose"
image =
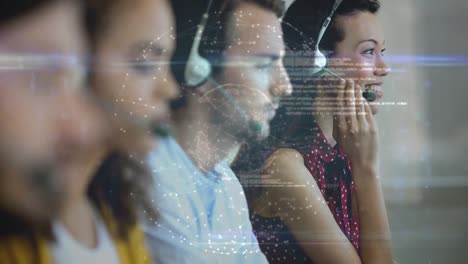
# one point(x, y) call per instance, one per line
point(79, 122)
point(282, 86)
point(381, 69)
point(168, 88)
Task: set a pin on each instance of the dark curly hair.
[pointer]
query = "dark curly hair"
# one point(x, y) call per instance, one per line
point(304, 18)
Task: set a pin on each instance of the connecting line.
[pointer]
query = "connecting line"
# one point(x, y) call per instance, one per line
point(231, 100)
point(332, 73)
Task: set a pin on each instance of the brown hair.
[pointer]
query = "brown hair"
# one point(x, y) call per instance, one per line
point(121, 185)
point(214, 40)
point(121, 182)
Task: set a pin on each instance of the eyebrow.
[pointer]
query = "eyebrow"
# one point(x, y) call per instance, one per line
point(148, 45)
point(370, 40)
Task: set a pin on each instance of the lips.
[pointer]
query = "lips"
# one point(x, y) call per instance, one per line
point(379, 94)
point(376, 87)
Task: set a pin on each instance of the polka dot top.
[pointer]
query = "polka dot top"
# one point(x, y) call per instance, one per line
point(332, 171)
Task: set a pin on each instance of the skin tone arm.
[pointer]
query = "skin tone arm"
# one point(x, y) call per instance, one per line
point(303, 208)
point(357, 135)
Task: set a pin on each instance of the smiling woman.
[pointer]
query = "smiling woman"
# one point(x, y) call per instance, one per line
point(320, 198)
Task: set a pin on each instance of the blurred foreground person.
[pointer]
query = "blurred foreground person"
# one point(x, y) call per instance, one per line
point(104, 185)
point(46, 117)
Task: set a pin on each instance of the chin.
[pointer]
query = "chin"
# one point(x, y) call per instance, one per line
point(252, 134)
point(263, 132)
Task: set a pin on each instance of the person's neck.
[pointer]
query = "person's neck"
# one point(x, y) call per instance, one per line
point(78, 218)
point(77, 213)
point(204, 143)
point(131, 140)
point(325, 123)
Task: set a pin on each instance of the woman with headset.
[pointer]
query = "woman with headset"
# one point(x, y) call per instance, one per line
point(320, 198)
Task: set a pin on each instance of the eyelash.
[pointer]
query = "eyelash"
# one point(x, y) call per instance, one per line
point(366, 52)
point(263, 66)
point(143, 67)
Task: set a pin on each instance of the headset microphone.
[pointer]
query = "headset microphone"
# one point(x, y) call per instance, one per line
point(369, 95)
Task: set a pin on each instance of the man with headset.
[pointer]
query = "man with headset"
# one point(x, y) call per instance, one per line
point(228, 62)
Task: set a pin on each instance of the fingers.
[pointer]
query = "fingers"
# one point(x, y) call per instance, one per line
point(339, 122)
point(360, 107)
point(340, 91)
point(369, 117)
point(349, 96)
point(350, 105)
point(340, 98)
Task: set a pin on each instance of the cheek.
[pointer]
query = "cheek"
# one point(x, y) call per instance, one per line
point(256, 84)
point(262, 80)
point(126, 88)
point(247, 77)
point(252, 86)
point(137, 89)
point(352, 66)
point(27, 118)
point(19, 194)
point(361, 68)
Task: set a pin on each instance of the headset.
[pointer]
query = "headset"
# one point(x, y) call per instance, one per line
point(320, 61)
point(198, 70)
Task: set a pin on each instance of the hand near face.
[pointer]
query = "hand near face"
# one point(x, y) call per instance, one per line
point(353, 126)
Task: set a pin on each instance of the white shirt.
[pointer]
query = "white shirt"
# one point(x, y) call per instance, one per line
point(66, 250)
point(203, 216)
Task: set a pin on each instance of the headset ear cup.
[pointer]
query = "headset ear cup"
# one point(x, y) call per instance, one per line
point(197, 70)
point(320, 61)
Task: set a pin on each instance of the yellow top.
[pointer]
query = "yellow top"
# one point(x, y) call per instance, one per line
point(23, 250)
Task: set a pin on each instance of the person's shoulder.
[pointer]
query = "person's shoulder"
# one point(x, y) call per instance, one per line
point(166, 156)
point(284, 157)
point(24, 249)
point(286, 165)
point(170, 168)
